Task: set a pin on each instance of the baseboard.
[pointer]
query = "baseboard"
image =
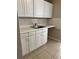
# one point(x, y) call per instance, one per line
point(52, 38)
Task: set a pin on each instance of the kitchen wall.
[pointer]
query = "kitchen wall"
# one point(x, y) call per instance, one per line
point(56, 8)
point(27, 21)
point(55, 33)
point(56, 22)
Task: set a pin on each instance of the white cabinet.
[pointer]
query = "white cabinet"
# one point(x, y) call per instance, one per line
point(44, 36)
point(34, 8)
point(48, 9)
point(43, 9)
point(20, 8)
point(28, 8)
point(38, 8)
point(32, 41)
point(41, 37)
point(24, 43)
point(25, 8)
point(38, 38)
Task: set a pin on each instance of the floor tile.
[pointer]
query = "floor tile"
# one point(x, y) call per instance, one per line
point(44, 55)
point(51, 50)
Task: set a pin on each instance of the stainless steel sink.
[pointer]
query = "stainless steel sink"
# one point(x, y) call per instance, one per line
point(41, 26)
point(38, 27)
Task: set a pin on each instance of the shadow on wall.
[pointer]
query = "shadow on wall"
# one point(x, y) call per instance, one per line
point(54, 33)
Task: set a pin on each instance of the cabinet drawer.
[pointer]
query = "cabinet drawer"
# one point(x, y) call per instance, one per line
point(45, 29)
point(24, 35)
point(31, 33)
point(39, 31)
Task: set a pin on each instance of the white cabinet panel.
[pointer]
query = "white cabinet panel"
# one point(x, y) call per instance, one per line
point(45, 29)
point(32, 43)
point(44, 36)
point(38, 8)
point(48, 9)
point(24, 35)
point(25, 46)
point(25, 8)
point(32, 33)
point(28, 8)
point(38, 38)
point(20, 8)
point(34, 8)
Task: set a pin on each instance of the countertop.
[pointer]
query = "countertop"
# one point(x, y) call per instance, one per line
point(29, 28)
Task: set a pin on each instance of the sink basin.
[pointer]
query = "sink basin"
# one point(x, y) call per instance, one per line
point(38, 27)
point(41, 26)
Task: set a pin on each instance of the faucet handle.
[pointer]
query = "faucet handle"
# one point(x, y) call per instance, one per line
point(35, 25)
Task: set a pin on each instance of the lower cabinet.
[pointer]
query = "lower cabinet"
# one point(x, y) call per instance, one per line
point(38, 38)
point(44, 38)
point(33, 40)
point(44, 35)
point(25, 46)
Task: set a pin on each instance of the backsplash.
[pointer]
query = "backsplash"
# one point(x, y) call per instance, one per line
point(56, 22)
point(26, 22)
point(23, 22)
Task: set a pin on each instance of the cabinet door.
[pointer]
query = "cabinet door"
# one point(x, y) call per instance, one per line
point(20, 8)
point(38, 39)
point(25, 46)
point(38, 8)
point(32, 42)
point(44, 36)
point(48, 8)
point(28, 8)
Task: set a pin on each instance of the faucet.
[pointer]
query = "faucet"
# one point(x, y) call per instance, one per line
point(35, 25)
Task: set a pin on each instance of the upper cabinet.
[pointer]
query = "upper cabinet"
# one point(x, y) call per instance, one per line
point(38, 8)
point(20, 8)
point(25, 8)
point(28, 8)
point(48, 9)
point(34, 8)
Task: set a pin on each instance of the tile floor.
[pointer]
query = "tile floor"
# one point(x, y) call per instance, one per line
point(51, 50)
